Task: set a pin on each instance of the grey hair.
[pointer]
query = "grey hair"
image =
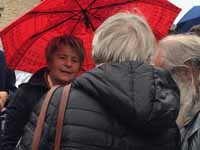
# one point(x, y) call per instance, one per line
point(177, 49)
point(123, 37)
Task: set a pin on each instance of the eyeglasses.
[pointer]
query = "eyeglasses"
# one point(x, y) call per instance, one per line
point(193, 62)
point(188, 64)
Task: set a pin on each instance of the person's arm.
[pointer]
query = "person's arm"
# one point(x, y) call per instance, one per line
point(3, 92)
point(3, 99)
point(166, 102)
point(10, 84)
point(9, 89)
point(2, 71)
point(18, 112)
point(10, 80)
point(7, 81)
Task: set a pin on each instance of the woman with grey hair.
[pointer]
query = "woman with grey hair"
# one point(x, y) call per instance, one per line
point(123, 103)
point(180, 54)
point(123, 37)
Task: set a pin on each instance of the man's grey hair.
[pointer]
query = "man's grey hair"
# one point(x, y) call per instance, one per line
point(123, 37)
point(179, 48)
point(176, 51)
point(195, 30)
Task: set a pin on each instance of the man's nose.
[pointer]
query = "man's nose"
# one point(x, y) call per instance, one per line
point(68, 62)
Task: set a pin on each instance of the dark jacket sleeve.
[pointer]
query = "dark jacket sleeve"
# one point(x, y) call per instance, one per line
point(2, 60)
point(7, 76)
point(10, 82)
point(2, 71)
point(18, 112)
point(166, 102)
point(155, 104)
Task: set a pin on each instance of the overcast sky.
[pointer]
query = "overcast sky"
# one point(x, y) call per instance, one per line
point(185, 5)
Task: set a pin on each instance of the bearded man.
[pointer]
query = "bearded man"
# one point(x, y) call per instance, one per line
point(180, 54)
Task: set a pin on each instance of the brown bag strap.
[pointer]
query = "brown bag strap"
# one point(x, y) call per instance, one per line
point(60, 118)
point(40, 122)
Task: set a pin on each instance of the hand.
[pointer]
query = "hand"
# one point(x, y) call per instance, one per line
point(3, 98)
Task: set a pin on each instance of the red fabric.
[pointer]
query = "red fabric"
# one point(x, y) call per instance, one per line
point(25, 39)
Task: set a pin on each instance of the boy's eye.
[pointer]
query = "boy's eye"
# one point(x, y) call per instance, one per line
point(62, 57)
point(75, 60)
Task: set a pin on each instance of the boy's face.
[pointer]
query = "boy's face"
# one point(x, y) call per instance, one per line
point(64, 65)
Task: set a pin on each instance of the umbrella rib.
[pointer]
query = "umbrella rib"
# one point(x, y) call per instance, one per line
point(54, 26)
point(92, 26)
point(130, 1)
point(162, 12)
point(21, 49)
point(114, 4)
point(97, 17)
point(53, 12)
point(91, 4)
point(79, 4)
point(76, 25)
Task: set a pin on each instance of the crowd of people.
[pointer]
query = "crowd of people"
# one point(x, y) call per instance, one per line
point(143, 94)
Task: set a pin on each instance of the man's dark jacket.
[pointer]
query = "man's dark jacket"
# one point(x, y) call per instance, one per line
point(2, 71)
point(7, 84)
point(20, 108)
point(7, 76)
point(128, 106)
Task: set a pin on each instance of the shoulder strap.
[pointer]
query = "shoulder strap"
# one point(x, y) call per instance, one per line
point(60, 118)
point(40, 122)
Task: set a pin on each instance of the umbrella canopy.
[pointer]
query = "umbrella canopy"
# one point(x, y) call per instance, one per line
point(191, 18)
point(25, 39)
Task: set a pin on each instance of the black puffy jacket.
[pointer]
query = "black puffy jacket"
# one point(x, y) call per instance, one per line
point(20, 107)
point(128, 106)
point(7, 76)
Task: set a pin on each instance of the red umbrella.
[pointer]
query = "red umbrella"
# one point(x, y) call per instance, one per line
point(25, 39)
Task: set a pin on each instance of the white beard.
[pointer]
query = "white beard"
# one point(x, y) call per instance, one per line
point(190, 103)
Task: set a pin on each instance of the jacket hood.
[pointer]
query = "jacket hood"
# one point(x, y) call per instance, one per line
point(120, 88)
